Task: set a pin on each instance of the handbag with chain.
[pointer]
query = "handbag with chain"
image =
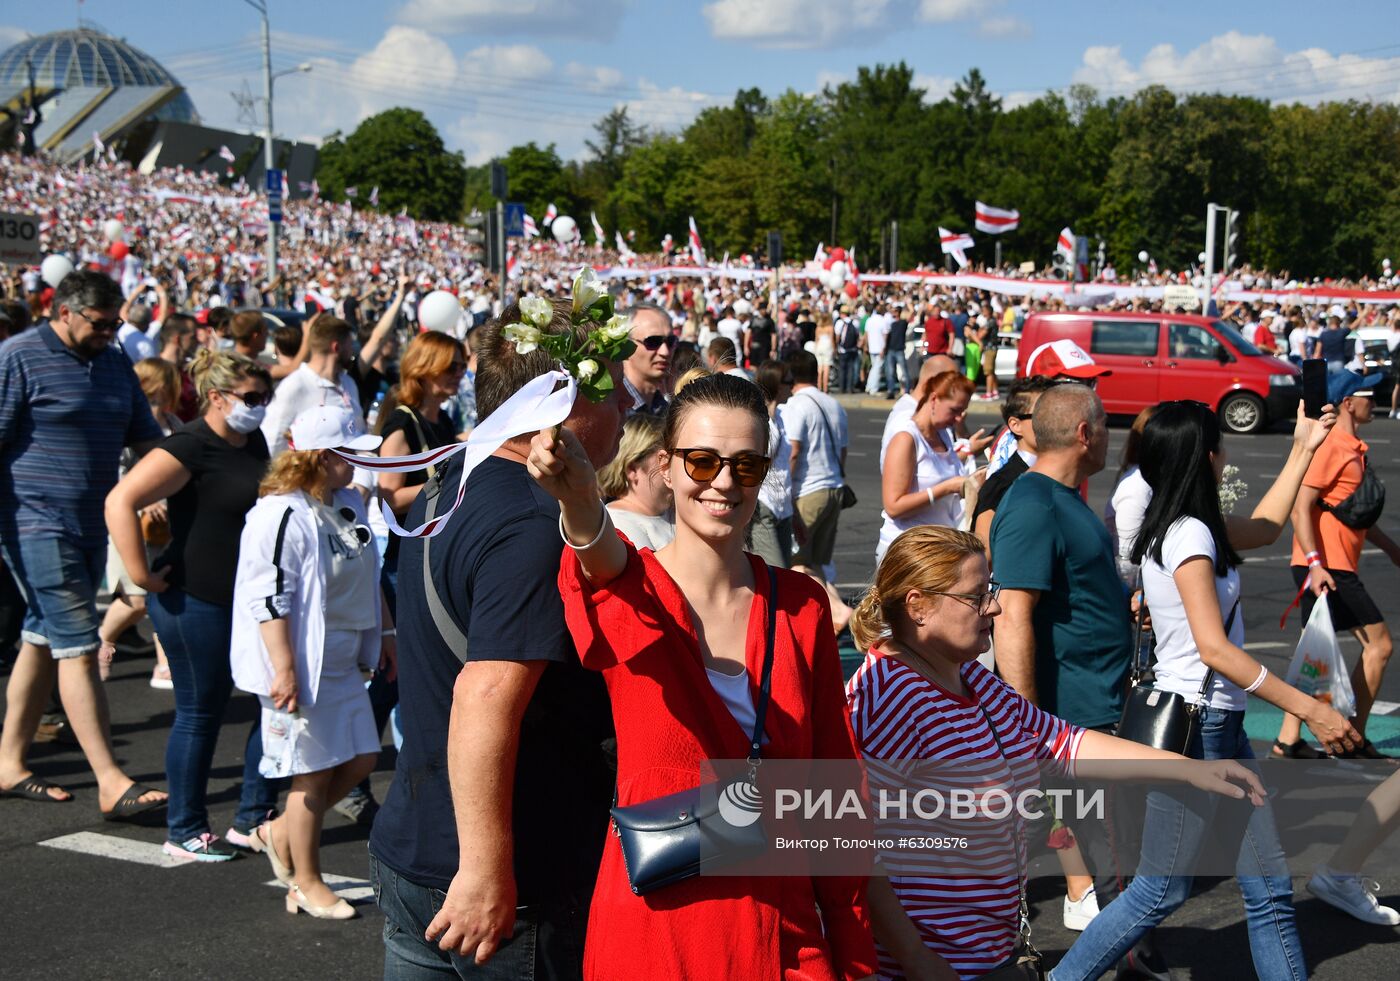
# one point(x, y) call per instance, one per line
point(673, 838)
point(1163, 719)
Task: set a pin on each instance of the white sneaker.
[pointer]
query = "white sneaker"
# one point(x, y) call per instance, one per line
point(1352, 894)
point(1079, 914)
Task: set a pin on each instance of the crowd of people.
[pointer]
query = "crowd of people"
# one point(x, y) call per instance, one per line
point(639, 583)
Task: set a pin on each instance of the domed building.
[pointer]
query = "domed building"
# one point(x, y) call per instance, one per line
point(86, 82)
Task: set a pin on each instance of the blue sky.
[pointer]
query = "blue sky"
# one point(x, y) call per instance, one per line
point(493, 73)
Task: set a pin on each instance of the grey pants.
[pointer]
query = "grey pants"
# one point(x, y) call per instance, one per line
point(770, 538)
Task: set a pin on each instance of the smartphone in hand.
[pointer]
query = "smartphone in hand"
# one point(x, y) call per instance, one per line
point(1314, 387)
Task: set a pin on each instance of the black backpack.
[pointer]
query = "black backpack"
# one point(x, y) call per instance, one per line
point(1363, 506)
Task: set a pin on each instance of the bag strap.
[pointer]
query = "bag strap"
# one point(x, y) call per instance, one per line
point(1022, 872)
point(760, 709)
point(447, 627)
point(1140, 628)
point(422, 437)
point(1210, 672)
point(826, 424)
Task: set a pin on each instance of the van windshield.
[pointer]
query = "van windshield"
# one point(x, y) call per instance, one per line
point(1236, 339)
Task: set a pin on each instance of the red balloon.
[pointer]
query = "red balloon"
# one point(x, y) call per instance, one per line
point(851, 290)
point(118, 250)
point(837, 253)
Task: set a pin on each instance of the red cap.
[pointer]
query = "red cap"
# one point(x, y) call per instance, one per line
point(1063, 358)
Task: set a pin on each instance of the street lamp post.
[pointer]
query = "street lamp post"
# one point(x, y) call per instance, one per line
point(269, 159)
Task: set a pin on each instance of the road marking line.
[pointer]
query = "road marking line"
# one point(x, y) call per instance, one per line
point(111, 846)
point(1379, 707)
point(856, 453)
point(1266, 645)
point(347, 887)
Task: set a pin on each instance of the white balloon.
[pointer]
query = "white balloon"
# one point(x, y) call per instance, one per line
point(54, 268)
point(1143, 256)
point(565, 229)
point(439, 310)
point(839, 269)
point(113, 230)
point(742, 307)
point(837, 281)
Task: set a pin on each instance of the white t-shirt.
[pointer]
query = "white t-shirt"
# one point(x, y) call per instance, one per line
point(818, 422)
point(1179, 665)
point(135, 343)
point(877, 331)
point(931, 466)
point(733, 691)
point(643, 530)
point(900, 413)
point(775, 493)
point(731, 328)
point(1123, 516)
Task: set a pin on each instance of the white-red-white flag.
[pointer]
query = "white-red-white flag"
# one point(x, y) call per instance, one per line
point(821, 253)
point(352, 192)
point(227, 154)
point(374, 197)
point(528, 226)
point(960, 257)
point(953, 241)
point(667, 244)
point(550, 214)
point(994, 221)
point(622, 247)
point(697, 248)
point(1064, 245)
point(598, 237)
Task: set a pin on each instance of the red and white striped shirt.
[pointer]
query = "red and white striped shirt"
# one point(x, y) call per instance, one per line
point(963, 900)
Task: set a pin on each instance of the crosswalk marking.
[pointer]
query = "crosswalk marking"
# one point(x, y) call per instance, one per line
point(112, 846)
point(347, 887)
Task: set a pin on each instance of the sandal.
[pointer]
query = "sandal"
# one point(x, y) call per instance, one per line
point(262, 836)
point(1368, 751)
point(130, 805)
point(36, 788)
point(1301, 750)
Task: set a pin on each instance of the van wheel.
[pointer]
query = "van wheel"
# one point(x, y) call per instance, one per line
point(1242, 412)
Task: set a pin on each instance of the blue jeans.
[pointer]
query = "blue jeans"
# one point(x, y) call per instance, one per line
point(848, 371)
point(59, 580)
point(1173, 835)
point(196, 636)
point(896, 372)
point(542, 945)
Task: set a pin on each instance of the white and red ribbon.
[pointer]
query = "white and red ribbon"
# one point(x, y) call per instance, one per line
point(535, 407)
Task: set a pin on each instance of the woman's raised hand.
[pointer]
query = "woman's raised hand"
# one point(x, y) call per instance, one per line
point(1310, 433)
point(559, 465)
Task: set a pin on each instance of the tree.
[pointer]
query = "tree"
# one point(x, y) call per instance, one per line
point(399, 151)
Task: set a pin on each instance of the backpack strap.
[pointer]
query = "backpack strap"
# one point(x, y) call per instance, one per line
point(447, 627)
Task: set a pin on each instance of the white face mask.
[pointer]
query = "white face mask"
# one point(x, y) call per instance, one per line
point(242, 419)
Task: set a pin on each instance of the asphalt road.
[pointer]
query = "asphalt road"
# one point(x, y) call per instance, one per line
point(83, 914)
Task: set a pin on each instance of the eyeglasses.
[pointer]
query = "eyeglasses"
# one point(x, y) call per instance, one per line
point(703, 465)
point(656, 341)
point(981, 602)
point(251, 399)
point(457, 366)
point(114, 324)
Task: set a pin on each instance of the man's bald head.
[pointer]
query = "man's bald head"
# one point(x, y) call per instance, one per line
point(1060, 413)
point(933, 366)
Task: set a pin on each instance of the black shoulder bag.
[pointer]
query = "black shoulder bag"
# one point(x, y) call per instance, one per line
point(1163, 719)
point(1363, 506)
point(672, 838)
point(848, 495)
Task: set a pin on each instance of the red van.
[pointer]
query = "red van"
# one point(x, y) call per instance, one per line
point(1159, 357)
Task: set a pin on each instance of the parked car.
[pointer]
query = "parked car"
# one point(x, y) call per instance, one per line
point(1161, 357)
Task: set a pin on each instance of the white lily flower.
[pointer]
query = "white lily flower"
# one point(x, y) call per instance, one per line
point(587, 289)
point(617, 328)
point(537, 311)
point(524, 337)
point(586, 369)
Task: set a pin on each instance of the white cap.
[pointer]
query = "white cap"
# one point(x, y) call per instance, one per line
point(330, 427)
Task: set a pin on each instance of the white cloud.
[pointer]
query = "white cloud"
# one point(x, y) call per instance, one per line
point(594, 78)
point(11, 35)
point(594, 18)
point(666, 108)
point(1241, 64)
point(944, 11)
point(1004, 27)
point(509, 61)
point(803, 23)
point(936, 87)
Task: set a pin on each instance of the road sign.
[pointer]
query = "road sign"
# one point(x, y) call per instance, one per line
point(274, 181)
point(19, 238)
point(515, 220)
point(274, 195)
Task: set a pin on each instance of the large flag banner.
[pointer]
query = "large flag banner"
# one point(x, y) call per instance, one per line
point(550, 213)
point(227, 154)
point(374, 197)
point(667, 244)
point(994, 221)
point(599, 239)
point(697, 249)
point(953, 241)
point(529, 227)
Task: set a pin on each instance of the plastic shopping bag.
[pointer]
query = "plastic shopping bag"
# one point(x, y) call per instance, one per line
point(1317, 668)
point(280, 734)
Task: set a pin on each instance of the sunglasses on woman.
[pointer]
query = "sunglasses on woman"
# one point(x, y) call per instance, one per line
point(703, 465)
point(251, 399)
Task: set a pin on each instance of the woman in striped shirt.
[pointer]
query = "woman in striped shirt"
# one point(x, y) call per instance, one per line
point(922, 697)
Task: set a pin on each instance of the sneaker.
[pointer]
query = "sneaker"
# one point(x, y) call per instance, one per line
point(244, 839)
point(359, 807)
point(160, 678)
point(1352, 894)
point(201, 848)
point(1079, 914)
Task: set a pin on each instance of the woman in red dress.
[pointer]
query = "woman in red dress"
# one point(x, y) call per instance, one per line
point(679, 637)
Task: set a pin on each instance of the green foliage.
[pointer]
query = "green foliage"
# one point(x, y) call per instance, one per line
point(401, 152)
point(1318, 187)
